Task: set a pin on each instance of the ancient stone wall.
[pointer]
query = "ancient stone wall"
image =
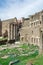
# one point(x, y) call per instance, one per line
point(5, 24)
point(30, 31)
point(0, 28)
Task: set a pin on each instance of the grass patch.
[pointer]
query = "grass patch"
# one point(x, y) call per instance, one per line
point(1, 38)
point(38, 60)
point(16, 53)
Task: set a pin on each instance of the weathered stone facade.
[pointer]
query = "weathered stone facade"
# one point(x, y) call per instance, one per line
point(10, 28)
point(0, 28)
point(27, 30)
point(32, 30)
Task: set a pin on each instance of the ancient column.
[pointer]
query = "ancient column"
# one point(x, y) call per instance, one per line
point(40, 45)
point(11, 31)
point(9, 35)
point(14, 31)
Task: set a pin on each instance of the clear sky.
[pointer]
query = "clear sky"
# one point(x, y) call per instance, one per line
point(19, 8)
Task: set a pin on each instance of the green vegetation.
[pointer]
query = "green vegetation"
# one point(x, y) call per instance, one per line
point(38, 60)
point(1, 38)
point(23, 53)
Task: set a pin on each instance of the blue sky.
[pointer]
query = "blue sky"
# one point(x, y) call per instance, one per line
point(19, 8)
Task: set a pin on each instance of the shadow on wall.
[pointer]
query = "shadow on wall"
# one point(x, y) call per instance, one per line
point(5, 34)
